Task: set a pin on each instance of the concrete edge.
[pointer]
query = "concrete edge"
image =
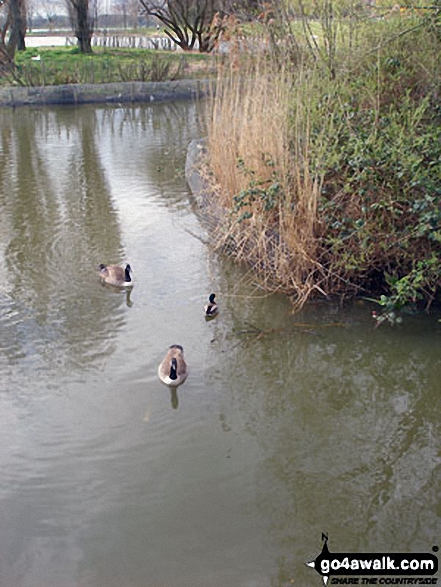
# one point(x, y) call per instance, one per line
point(119, 93)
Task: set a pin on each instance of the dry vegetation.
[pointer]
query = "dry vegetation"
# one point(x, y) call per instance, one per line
point(327, 153)
point(273, 201)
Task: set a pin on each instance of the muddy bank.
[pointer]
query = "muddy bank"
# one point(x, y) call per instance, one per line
point(205, 201)
point(115, 93)
point(258, 245)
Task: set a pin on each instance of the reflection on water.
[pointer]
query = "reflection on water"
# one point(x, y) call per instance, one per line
point(58, 217)
point(346, 418)
point(174, 398)
point(281, 432)
point(126, 291)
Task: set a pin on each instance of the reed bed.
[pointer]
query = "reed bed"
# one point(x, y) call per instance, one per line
point(266, 180)
point(314, 149)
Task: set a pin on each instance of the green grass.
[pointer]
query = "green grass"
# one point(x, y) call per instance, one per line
point(66, 65)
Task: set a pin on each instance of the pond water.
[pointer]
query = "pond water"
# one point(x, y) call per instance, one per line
point(322, 423)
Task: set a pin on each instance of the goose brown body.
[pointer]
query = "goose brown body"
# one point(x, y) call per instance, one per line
point(116, 275)
point(173, 370)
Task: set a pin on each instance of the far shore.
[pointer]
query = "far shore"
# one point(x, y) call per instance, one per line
point(113, 93)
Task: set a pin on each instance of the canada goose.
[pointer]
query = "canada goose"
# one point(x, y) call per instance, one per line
point(173, 369)
point(115, 275)
point(211, 309)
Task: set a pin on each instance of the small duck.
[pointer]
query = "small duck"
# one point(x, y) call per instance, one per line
point(211, 309)
point(116, 275)
point(173, 370)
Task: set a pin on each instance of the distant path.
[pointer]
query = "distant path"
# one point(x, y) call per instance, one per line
point(110, 40)
point(47, 41)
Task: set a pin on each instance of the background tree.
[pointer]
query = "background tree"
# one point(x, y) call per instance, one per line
point(82, 16)
point(50, 11)
point(129, 10)
point(190, 21)
point(12, 21)
point(5, 58)
point(16, 24)
point(4, 21)
point(185, 20)
point(30, 12)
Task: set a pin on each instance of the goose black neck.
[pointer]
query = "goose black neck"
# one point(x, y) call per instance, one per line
point(173, 367)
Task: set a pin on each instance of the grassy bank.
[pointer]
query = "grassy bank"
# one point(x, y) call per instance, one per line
point(328, 157)
point(66, 65)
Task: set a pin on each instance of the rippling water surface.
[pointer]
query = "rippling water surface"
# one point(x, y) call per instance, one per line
point(109, 480)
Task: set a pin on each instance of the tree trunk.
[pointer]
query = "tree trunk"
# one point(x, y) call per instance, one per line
point(21, 45)
point(82, 22)
point(84, 29)
point(17, 31)
point(85, 44)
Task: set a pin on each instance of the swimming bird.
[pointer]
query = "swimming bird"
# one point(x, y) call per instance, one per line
point(211, 309)
point(116, 275)
point(173, 369)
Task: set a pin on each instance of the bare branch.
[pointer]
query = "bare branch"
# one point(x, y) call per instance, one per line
point(187, 21)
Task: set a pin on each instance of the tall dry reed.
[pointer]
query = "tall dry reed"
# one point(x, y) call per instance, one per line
point(266, 175)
